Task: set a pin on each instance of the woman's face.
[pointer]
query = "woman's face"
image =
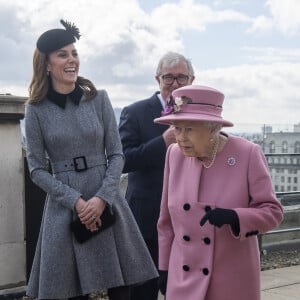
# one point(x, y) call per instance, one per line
point(194, 138)
point(63, 65)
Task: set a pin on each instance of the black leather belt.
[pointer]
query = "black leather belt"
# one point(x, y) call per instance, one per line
point(78, 164)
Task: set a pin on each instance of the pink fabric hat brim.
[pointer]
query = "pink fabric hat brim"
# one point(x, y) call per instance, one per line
point(195, 112)
point(198, 103)
point(168, 120)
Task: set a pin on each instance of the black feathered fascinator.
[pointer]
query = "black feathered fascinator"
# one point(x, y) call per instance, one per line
point(55, 39)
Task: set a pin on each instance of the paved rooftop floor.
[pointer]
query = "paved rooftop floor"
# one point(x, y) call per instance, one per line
point(279, 284)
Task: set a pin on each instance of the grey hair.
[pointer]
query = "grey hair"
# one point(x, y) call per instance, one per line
point(213, 125)
point(216, 126)
point(171, 59)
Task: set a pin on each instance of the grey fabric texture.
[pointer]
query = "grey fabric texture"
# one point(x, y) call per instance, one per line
point(62, 267)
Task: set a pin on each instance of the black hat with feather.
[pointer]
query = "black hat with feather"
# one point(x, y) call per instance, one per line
point(55, 39)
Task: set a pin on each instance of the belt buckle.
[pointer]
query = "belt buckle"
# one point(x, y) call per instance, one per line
point(80, 160)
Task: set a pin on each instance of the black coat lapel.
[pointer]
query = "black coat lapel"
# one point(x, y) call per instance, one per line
point(156, 109)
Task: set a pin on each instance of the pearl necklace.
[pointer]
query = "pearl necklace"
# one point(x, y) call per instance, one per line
point(213, 155)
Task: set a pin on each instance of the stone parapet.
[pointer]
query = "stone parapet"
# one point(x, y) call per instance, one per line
point(12, 216)
point(11, 107)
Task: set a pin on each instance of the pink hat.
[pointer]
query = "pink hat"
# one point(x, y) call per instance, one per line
point(194, 103)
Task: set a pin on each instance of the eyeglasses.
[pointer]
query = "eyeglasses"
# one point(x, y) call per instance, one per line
point(180, 78)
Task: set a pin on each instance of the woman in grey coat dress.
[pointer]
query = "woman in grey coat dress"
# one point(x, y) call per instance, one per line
point(72, 125)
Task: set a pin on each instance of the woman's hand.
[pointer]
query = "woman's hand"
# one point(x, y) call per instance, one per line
point(80, 205)
point(90, 214)
point(221, 216)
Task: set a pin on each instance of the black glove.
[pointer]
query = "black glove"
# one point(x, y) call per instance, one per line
point(221, 216)
point(162, 281)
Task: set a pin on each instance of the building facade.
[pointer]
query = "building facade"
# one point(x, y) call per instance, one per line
point(282, 150)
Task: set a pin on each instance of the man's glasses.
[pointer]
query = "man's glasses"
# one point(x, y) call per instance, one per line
point(180, 78)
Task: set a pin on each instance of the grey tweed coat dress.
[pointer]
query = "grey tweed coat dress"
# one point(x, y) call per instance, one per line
point(62, 267)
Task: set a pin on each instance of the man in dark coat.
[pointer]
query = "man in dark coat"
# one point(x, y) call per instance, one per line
point(144, 145)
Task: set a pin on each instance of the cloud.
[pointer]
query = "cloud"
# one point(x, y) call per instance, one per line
point(270, 54)
point(284, 17)
point(258, 94)
point(121, 44)
point(261, 24)
point(188, 14)
point(15, 51)
point(254, 94)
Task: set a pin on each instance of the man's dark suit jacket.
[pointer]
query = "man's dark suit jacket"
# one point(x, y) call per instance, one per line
point(145, 151)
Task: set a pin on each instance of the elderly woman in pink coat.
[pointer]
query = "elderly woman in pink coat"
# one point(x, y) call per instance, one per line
point(217, 197)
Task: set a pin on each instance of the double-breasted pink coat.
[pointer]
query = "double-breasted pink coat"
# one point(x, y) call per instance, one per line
point(210, 263)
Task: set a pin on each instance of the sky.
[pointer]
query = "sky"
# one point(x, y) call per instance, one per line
point(247, 49)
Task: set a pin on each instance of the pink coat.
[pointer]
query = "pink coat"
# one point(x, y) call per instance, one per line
point(210, 263)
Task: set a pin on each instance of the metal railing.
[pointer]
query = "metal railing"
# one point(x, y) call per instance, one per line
point(293, 229)
point(279, 195)
point(283, 230)
point(278, 231)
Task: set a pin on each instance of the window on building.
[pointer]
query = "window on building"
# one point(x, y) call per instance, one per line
point(272, 147)
point(295, 180)
point(297, 147)
point(284, 148)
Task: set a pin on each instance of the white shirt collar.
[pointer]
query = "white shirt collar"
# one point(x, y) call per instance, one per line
point(162, 101)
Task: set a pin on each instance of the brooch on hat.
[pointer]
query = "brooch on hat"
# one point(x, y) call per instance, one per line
point(174, 104)
point(231, 161)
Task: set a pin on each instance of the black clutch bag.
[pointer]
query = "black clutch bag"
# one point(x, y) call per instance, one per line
point(82, 234)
